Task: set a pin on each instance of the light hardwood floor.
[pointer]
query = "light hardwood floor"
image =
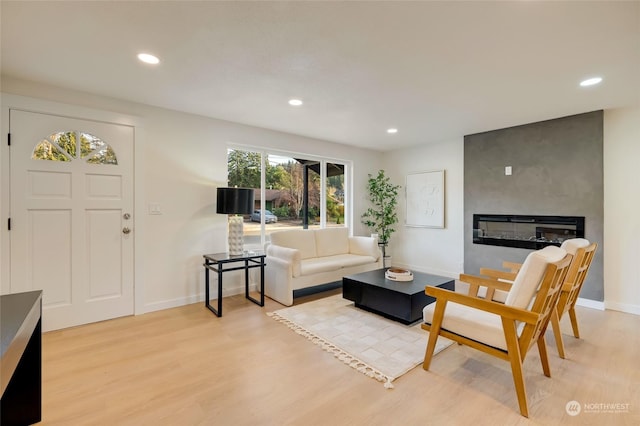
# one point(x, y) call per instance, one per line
point(184, 366)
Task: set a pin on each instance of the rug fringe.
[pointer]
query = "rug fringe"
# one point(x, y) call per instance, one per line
point(343, 356)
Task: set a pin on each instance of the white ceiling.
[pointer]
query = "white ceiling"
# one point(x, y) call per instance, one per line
point(434, 70)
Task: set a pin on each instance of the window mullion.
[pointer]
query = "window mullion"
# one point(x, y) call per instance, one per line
point(78, 145)
point(263, 196)
point(323, 193)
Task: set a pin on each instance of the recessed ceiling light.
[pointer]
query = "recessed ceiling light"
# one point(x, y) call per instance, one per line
point(392, 130)
point(590, 81)
point(295, 102)
point(148, 58)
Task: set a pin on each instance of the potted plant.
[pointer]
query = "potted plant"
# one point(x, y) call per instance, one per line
point(382, 216)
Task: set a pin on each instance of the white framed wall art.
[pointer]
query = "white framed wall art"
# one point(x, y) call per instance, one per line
point(425, 199)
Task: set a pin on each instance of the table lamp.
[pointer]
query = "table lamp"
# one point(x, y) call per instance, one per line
point(235, 201)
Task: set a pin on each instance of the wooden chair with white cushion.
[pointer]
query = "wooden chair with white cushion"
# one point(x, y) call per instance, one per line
point(583, 252)
point(505, 330)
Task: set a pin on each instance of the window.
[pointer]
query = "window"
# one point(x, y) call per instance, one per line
point(293, 192)
point(63, 146)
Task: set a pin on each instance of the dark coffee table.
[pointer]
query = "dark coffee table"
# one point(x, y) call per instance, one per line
point(401, 301)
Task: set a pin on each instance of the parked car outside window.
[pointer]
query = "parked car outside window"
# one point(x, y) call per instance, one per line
point(268, 216)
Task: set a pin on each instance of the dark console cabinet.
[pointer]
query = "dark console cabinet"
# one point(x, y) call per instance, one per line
point(21, 362)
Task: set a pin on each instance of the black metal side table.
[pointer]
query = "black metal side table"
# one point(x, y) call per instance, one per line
point(216, 262)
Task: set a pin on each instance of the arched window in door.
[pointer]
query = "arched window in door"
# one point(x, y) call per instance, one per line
point(64, 146)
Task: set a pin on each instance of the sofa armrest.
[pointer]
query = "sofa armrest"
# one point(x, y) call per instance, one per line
point(286, 254)
point(278, 280)
point(365, 246)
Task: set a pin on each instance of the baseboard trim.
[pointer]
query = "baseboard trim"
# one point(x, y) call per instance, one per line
point(588, 303)
point(197, 298)
point(623, 307)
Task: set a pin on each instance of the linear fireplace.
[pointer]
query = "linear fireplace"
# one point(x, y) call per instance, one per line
point(529, 232)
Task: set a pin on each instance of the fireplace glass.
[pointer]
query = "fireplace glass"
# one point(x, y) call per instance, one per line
point(530, 232)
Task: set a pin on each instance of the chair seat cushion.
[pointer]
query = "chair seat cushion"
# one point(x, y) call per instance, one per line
point(472, 323)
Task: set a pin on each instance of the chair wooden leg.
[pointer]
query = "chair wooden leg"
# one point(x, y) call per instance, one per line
point(513, 350)
point(574, 322)
point(436, 323)
point(555, 324)
point(544, 359)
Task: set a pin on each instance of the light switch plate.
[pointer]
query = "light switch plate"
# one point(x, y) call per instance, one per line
point(154, 208)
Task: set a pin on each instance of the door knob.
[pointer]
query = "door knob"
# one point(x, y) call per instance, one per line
point(126, 230)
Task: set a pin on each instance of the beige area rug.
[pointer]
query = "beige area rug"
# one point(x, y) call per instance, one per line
point(375, 346)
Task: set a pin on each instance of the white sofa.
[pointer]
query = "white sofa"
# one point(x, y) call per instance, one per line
point(298, 259)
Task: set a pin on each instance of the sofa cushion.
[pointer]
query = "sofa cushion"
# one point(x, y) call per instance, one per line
point(319, 264)
point(530, 275)
point(300, 239)
point(473, 323)
point(365, 246)
point(348, 260)
point(332, 241)
point(333, 263)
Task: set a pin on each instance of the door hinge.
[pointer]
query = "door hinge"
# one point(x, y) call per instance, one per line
point(9, 224)
point(9, 139)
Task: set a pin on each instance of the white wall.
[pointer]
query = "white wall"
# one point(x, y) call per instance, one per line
point(622, 210)
point(180, 159)
point(437, 251)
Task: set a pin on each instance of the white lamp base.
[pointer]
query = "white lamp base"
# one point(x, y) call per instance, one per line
point(236, 231)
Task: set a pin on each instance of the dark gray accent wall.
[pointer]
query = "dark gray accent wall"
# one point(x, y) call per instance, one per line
point(557, 169)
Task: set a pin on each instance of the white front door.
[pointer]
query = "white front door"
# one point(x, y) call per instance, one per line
point(72, 216)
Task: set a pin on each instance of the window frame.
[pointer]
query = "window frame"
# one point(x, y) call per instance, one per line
point(348, 185)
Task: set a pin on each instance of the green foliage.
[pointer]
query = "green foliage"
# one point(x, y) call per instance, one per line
point(103, 156)
point(314, 211)
point(382, 215)
point(335, 208)
point(67, 141)
point(47, 151)
point(277, 177)
point(243, 169)
point(336, 182)
point(283, 212)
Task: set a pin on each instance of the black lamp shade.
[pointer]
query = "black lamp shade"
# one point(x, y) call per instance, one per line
point(234, 201)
